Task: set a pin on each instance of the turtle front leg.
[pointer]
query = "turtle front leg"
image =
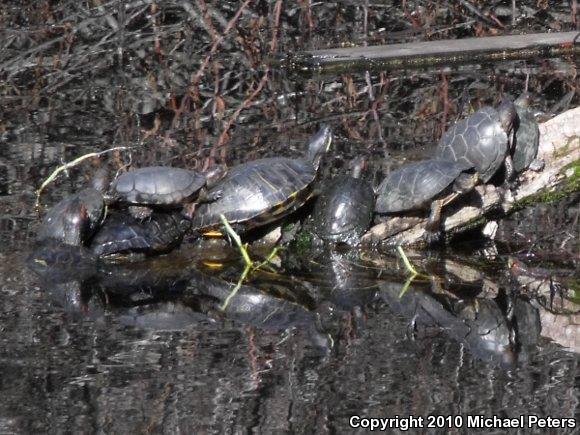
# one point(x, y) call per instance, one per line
point(510, 171)
point(433, 227)
point(209, 195)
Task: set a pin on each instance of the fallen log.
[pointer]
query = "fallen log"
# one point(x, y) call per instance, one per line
point(432, 53)
point(560, 150)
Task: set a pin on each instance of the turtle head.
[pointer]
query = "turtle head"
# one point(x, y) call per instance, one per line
point(215, 174)
point(319, 144)
point(357, 166)
point(507, 115)
point(466, 181)
point(101, 180)
point(524, 100)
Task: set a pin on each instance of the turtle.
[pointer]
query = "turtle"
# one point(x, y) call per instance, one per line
point(430, 184)
point(344, 209)
point(263, 191)
point(164, 187)
point(158, 234)
point(527, 136)
point(482, 140)
point(75, 218)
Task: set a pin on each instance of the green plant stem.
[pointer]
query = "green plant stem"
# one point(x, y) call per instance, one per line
point(238, 241)
point(406, 261)
point(69, 165)
point(236, 287)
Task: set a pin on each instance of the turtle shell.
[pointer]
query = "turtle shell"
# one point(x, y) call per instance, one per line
point(74, 219)
point(527, 139)
point(477, 141)
point(414, 186)
point(157, 185)
point(157, 234)
point(344, 210)
point(258, 192)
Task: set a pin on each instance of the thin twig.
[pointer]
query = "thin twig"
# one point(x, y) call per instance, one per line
point(218, 42)
point(237, 239)
point(406, 261)
point(234, 291)
point(69, 165)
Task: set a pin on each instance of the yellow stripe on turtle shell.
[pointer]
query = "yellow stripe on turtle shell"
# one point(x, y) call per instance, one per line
point(212, 233)
point(213, 264)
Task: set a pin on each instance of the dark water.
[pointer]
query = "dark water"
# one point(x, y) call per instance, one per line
point(146, 347)
point(163, 345)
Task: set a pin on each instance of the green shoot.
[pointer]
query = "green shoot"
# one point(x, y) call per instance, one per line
point(69, 165)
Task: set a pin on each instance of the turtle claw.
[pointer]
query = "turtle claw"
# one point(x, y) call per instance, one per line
point(537, 165)
point(210, 195)
point(510, 185)
point(432, 237)
point(215, 195)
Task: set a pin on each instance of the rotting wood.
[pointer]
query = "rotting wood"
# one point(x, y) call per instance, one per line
point(559, 148)
point(433, 53)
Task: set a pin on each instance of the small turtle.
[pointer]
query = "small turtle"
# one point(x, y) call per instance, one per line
point(429, 183)
point(160, 233)
point(482, 140)
point(262, 191)
point(74, 219)
point(344, 209)
point(527, 137)
point(164, 187)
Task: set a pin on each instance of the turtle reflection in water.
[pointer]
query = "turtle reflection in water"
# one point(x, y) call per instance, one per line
point(263, 191)
point(482, 141)
point(427, 184)
point(344, 209)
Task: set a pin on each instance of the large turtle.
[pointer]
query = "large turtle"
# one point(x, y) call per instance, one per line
point(426, 184)
point(482, 140)
point(527, 136)
point(162, 186)
point(122, 233)
point(344, 209)
point(263, 190)
point(75, 218)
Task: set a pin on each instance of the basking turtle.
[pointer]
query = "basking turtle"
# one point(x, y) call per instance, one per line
point(344, 209)
point(527, 136)
point(264, 190)
point(164, 187)
point(430, 183)
point(157, 234)
point(74, 219)
point(482, 140)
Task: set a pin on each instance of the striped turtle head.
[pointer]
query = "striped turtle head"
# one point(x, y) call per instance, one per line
point(357, 166)
point(524, 100)
point(508, 118)
point(507, 115)
point(319, 144)
point(101, 180)
point(215, 174)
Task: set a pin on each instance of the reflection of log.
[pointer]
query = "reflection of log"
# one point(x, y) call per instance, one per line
point(432, 53)
point(560, 316)
point(559, 148)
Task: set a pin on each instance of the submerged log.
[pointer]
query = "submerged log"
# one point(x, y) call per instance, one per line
point(560, 150)
point(433, 53)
